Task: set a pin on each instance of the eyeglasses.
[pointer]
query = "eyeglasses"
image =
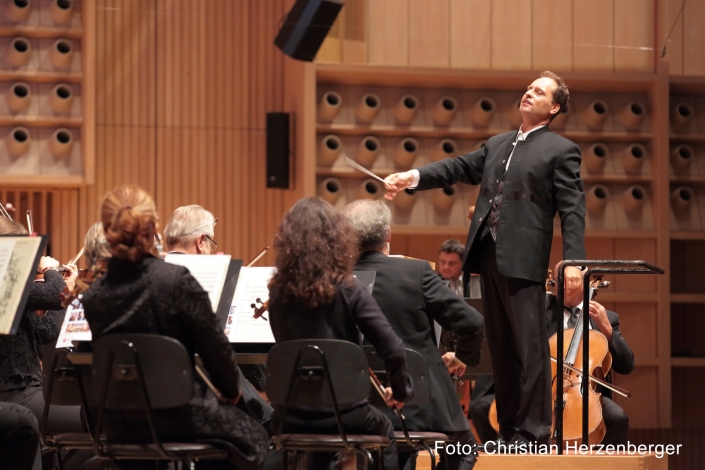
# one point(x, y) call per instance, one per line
point(211, 240)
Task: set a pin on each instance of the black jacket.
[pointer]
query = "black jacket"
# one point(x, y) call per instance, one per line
point(543, 178)
point(622, 354)
point(352, 311)
point(20, 353)
point(412, 296)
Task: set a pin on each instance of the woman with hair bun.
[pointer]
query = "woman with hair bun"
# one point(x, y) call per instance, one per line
point(141, 294)
point(313, 295)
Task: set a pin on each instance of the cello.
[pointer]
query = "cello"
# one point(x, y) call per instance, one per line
point(572, 374)
point(600, 363)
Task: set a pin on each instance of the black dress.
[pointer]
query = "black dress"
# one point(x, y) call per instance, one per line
point(352, 311)
point(151, 296)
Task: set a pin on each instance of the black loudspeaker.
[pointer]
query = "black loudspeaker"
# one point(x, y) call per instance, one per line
point(306, 26)
point(278, 150)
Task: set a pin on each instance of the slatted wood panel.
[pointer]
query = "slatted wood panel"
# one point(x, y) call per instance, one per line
point(692, 450)
point(182, 93)
point(564, 35)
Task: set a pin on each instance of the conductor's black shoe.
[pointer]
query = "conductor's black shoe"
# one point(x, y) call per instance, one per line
point(494, 447)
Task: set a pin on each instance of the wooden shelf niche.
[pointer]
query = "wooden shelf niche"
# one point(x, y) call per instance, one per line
point(46, 80)
point(402, 119)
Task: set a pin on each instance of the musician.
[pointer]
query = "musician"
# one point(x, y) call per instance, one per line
point(190, 231)
point(95, 245)
point(313, 294)
point(607, 323)
point(141, 294)
point(450, 264)
point(412, 296)
point(525, 177)
point(20, 368)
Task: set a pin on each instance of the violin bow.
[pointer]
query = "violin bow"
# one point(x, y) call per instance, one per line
point(4, 212)
point(261, 254)
point(30, 226)
point(75, 259)
point(614, 388)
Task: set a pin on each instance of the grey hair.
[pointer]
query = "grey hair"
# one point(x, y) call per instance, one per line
point(371, 220)
point(453, 246)
point(186, 224)
point(96, 246)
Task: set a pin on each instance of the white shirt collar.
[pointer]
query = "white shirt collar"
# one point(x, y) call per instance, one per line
point(522, 135)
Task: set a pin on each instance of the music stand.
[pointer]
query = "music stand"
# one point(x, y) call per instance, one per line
point(19, 258)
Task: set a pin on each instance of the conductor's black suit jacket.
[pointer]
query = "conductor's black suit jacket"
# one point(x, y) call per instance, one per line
point(543, 178)
point(622, 354)
point(411, 295)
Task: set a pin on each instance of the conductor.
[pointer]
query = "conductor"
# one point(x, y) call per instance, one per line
point(525, 177)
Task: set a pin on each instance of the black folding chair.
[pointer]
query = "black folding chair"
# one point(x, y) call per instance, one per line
point(320, 373)
point(410, 441)
point(63, 387)
point(143, 372)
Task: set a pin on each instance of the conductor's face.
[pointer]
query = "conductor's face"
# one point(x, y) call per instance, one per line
point(537, 103)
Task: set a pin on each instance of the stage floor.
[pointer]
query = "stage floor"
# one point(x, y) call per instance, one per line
point(561, 462)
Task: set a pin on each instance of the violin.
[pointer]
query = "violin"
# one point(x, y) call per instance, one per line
point(261, 309)
point(263, 306)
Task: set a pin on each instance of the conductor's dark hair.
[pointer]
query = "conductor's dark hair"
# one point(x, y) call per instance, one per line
point(561, 95)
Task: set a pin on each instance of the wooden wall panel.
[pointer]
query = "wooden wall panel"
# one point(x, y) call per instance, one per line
point(511, 35)
point(674, 50)
point(428, 33)
point(470, 34)
point(388, 35)
point(634, 35)
point(593, 35)
point(694, 38)
point(552, 35)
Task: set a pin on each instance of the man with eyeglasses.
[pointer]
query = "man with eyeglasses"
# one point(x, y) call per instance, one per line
point(190, 231)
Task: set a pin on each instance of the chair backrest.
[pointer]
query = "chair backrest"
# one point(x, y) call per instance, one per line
point(302, 365)
point(417, 369)
point(124, 363)
point(61, 381)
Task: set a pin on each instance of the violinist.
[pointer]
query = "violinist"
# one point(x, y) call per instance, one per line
point(20, 368)
point(412, 296)
point(601, 319)
point(141, 294)
point(313, 294)
point(190, 231)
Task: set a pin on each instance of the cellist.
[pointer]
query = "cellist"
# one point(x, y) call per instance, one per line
point(605, 321)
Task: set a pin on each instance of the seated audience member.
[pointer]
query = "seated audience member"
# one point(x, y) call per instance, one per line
point(141, 294)
point(412, 296)
point(190, 231)
point(606, 322)
point(313, 294)
point(21, 379)
point(19, 438)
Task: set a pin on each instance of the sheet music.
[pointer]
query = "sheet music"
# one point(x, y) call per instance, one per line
point(241, 327)
point(6, 247)
point(17, 255)
point(75, 327)
point(209, 271)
